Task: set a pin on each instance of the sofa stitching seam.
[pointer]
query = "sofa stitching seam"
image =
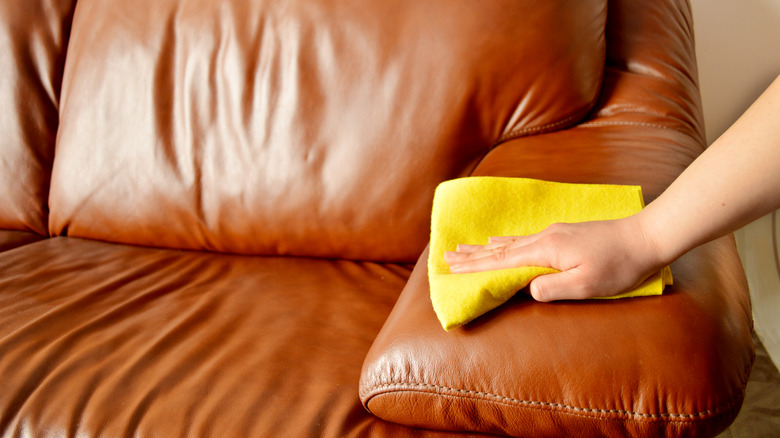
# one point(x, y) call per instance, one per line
point(505, 399)
point(530, 130)
point(647, 125)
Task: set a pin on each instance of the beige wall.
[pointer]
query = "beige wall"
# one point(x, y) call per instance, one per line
point(738, 49)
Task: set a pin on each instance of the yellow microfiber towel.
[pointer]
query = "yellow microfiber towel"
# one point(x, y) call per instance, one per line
point(470, 210)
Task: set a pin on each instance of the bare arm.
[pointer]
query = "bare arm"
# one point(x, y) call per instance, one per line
point(735, 181)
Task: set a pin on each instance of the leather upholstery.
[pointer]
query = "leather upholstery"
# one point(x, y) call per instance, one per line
point(140, 142)
point(106, 340)
point(33, 38)
point(674, 365)
point(13, 239)
point(251, 126)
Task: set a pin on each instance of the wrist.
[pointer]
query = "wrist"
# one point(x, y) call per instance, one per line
point(661, 248)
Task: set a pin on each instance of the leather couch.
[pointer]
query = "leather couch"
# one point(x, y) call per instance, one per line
point(211, 214)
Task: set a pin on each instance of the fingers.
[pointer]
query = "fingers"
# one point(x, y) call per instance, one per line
point(469, 248)
point(466, 253)
point(510, 255)
point(577, 284)
point(498, 242)
point(497, 239)
point(565, 285)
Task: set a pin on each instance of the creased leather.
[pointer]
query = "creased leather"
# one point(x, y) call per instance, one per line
point(251, 126)
point(321, 128)
point(104, 340)
point(13, 239)
point(33, 42)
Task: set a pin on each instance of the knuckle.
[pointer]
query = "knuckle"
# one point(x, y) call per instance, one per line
point(500, 254)
point(555, 227)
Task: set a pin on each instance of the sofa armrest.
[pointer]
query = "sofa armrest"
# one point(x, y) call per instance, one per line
point(672, 365)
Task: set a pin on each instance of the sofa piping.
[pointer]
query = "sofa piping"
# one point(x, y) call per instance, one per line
point(573, 410)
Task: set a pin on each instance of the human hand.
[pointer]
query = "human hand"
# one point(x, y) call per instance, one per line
point(601, 258)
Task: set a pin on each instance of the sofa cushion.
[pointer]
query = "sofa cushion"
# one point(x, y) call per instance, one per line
point(303, 127)
point(103, 340)
point(33, 38)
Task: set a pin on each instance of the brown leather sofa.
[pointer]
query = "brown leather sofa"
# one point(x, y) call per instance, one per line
point(211, 213)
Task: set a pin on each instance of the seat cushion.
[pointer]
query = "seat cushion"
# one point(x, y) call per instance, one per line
point(33, 39)
point(304, 127)
point(107, 340)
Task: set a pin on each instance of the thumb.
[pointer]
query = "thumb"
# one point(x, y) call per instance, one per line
point(563, 285)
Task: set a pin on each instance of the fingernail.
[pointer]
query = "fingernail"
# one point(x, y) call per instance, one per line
point(455, 268)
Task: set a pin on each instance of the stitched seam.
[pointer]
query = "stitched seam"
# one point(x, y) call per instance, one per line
point(530, 130)
point(538, 404)
point(588, 413)
point(648, 125)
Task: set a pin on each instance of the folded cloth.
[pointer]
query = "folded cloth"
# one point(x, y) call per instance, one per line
point(470, 210)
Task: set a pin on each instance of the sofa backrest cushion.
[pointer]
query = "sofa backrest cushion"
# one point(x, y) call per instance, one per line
point(303, 127)
point(33, 40)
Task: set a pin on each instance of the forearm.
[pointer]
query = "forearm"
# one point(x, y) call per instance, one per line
point(736, 180)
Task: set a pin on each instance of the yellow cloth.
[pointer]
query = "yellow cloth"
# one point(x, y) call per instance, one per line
point(470, 210)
